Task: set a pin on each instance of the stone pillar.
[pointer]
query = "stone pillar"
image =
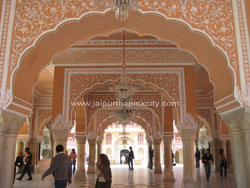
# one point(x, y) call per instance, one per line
point(239, 125)
point(99, 147)
point(80, 171)
point(246, 149)
point(8, 158)
point(223, 145)
point(216, 153)
point(60, 137)
point(18, 147)
point(168, 170)
point(92, 154)
point(1, 147)
point(157, 156)
point(10, 123)
point(238, 159)
point(25, 144)
point(229, 154)
point(188, 141)
point(150, 144)
point(34, 151)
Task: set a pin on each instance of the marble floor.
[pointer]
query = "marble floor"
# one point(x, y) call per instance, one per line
point(139, 178)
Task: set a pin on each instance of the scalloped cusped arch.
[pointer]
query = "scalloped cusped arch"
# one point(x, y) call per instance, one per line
point(89, 26)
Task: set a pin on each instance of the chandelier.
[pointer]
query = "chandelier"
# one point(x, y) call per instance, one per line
point(121, 7)
point(123, 89)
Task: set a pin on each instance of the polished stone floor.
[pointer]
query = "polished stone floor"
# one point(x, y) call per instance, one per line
point(139, 178)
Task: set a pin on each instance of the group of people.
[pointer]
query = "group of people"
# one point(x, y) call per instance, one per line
point(61, 168)
point(207, 160)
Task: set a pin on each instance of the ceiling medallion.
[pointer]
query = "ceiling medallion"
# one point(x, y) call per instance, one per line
point(121, 7)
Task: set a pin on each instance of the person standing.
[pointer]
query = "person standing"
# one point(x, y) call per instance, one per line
point(130, 159)
point(207, 159)
point(27, 163)
point(103, 172)
point(197, 157)
point(151, 156)
point(61, 168)
point(73, 157)
point(223, 163)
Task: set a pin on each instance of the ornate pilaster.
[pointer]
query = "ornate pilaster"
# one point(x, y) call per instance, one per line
point(99, 147)
point(157, 156)
point(239, 132)
point(168, 170)
point(92, 152)
point(80, 173)
point(60, 130)
point(10, 123)
point(188, 134)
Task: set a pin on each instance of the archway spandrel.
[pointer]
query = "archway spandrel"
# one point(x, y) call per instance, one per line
point(35, 17)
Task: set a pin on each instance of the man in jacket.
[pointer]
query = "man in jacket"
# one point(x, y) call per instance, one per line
point(27, 163)
point(61, 168)
point(130, 159)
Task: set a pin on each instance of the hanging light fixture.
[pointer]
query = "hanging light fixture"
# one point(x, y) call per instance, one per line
point(123, 89)
point(121, 7)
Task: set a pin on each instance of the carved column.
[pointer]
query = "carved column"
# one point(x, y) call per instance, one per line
point(61, 137)
point(25, 144)
point(188, 141)
point(168, 170)
point(99, 147)
point(34, 151)
point(216, 148)
point(10, 123)
point(235, 122)
point(239, 164)
point(18, 147)
point(80, 172)
point(246, 140)
point(92, 154)
point(157, 156)
point(223, 145)
point(7, 168)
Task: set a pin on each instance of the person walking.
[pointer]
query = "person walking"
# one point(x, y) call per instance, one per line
point(103, 172)
point(130, 159)
point(223, 163)
point(27, 163)
point(19, 162)
point(207, 159)
point(197, 158)
point(61, 168)
point(73, 157)
point(151, 156)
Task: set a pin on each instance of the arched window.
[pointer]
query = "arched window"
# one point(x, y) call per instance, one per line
point(108, 138)
point(124, 142)
point(140, 138)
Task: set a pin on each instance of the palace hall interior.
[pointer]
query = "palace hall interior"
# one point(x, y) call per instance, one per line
point(124, 93)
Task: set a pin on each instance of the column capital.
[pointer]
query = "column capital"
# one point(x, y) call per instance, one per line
point(168, 138)
point(188, 134)
point(157, 141)
point(80, 139)
point(92, 141)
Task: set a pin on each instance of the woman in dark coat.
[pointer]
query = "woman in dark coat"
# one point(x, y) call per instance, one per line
point(207, 159)
point(103, 171)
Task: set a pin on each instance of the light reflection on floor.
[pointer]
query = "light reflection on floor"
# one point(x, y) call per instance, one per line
point(139, 178)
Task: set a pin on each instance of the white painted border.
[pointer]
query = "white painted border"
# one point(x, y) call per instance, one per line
point(211, 109)
point(71, 71)
point(103, 13)
point(8, 49)
point(37, 111)
point(2, 20)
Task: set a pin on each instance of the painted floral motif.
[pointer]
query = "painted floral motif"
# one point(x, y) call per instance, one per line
point(214, 17)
